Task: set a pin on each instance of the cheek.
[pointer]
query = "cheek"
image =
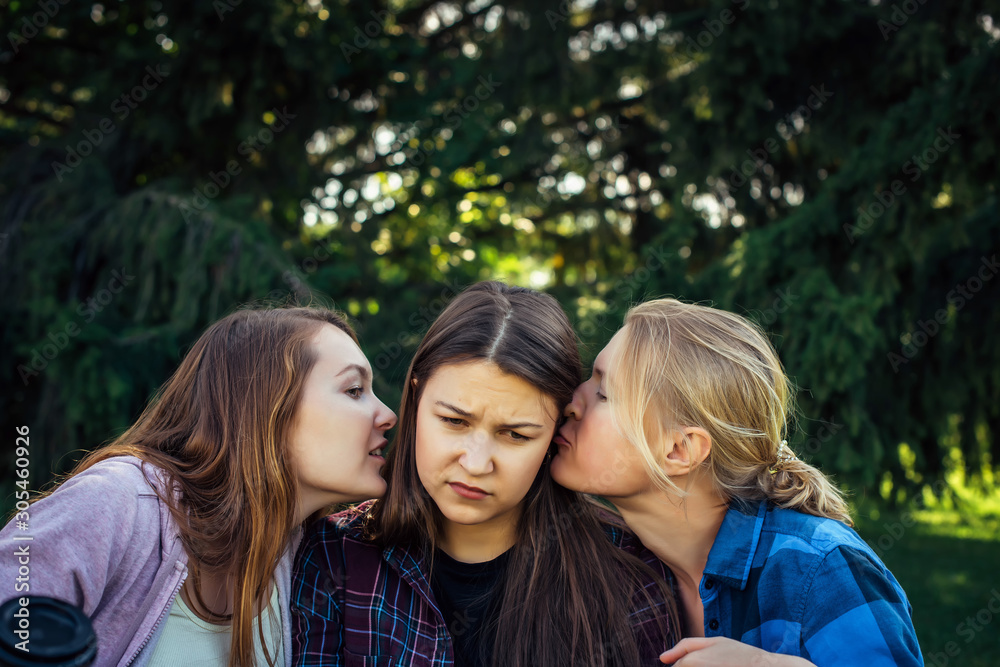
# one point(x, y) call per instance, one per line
point(524, 469)
point(428, 449)
point(598, 438)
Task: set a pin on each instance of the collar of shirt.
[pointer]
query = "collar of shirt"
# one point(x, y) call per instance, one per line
point(732, 553)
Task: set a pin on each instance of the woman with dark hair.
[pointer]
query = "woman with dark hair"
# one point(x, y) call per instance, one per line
point(177, 538)
point(475, 557)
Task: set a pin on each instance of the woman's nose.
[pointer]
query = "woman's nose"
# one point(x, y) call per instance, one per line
point(385, 418)
point(574, 409)
point(477, 455)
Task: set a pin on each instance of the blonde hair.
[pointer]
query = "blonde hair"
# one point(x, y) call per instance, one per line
point(680, 365)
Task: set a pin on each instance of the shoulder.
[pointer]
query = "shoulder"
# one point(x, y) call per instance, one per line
point(352, 520)
point(840, 586)
point(347, 524)
point(787, 532)
point(821, 561)
point(118, 482)
point(331, 534)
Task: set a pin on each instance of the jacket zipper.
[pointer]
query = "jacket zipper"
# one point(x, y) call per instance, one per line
point(152, 631)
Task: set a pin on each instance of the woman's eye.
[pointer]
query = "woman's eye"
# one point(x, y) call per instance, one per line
point(355, 392)
point(514, 435)
point(600, 396)
point(454, 421)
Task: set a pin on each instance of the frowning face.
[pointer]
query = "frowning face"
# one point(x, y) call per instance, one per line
point(481, 438)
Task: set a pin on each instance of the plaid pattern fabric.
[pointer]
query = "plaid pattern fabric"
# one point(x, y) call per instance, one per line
point(354, 604)
point(798, 584)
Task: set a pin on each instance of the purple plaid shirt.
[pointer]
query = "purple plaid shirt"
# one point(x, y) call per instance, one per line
point(354, 604)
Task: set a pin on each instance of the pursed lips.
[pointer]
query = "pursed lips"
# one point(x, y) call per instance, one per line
point(467, 491)
point(469, 487)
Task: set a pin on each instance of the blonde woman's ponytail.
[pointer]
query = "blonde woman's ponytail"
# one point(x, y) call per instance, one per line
point(791, 483)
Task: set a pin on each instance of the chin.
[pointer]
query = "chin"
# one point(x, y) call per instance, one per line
point(464, 516)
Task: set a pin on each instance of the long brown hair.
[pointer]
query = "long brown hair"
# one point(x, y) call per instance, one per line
point(219, 429)
point(691, 365)
point(562, 596)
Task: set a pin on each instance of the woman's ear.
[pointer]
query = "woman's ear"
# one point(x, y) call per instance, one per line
point(413, 381)
point(686, 449)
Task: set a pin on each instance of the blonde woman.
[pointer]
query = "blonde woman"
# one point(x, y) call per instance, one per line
point(681, 426)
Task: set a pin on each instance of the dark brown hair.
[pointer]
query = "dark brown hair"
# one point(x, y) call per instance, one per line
point(564, 597)
point(219, 428)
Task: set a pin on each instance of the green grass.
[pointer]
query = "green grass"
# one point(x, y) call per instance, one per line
point(947, 559)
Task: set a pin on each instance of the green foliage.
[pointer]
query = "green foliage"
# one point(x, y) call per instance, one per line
point(382, 156)
point(959, 536)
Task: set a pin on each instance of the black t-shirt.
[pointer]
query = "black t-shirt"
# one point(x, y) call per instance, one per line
point(469, 597)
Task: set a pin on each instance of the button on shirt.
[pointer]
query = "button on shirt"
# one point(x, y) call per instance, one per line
point(797, 584)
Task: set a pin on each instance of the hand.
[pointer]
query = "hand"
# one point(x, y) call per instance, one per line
point(725, 652)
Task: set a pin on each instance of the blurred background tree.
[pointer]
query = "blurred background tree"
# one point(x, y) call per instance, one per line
point(827, 168)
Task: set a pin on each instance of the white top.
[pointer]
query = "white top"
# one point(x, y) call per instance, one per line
point(188, 640)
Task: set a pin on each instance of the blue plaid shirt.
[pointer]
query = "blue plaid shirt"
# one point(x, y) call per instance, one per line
point(798, 584)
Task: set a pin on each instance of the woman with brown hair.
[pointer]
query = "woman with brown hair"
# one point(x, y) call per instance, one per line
point(682, 428)
point(177, 538)
point(475, 557)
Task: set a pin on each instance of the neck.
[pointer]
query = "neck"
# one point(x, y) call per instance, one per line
point(478, 543)
point(216, 590)
point(680, 532)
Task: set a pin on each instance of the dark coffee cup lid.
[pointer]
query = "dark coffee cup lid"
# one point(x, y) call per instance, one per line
point(54, 633)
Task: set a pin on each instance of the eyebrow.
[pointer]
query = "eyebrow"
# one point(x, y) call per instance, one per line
point(598, 372)
point(466, 414)
point(362, 371)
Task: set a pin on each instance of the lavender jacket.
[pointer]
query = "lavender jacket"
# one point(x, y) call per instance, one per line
point(105, 542)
